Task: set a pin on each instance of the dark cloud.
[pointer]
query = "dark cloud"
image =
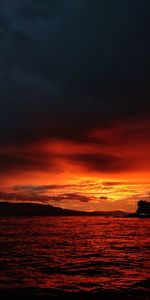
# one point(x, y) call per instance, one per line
point(113, 183)
point(102, 162)
point(103, 198)
point(24, 197)
point(71, 196)
point(25, 162)
point(68, 66)
point(42, 188)
point(37, 197)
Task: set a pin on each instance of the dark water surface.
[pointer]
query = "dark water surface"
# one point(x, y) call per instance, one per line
point(75, 256)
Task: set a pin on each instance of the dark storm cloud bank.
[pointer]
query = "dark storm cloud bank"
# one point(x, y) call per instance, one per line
point(68, 66)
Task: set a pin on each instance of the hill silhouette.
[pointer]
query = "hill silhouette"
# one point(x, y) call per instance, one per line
point(32, 209)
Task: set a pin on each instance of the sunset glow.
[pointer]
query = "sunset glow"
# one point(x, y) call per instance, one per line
point(108, 170)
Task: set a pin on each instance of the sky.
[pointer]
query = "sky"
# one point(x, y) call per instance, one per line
point(74, 103)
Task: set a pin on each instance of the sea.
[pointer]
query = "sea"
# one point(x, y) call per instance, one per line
point(74, 258)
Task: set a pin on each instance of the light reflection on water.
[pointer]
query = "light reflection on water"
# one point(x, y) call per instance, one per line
point(74, 253)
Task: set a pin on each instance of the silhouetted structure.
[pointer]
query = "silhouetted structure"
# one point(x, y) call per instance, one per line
point(143, 208)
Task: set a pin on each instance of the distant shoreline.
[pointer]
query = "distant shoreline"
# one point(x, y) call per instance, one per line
point(8, 209)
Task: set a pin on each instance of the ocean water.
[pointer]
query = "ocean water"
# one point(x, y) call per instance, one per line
point(80, 257)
